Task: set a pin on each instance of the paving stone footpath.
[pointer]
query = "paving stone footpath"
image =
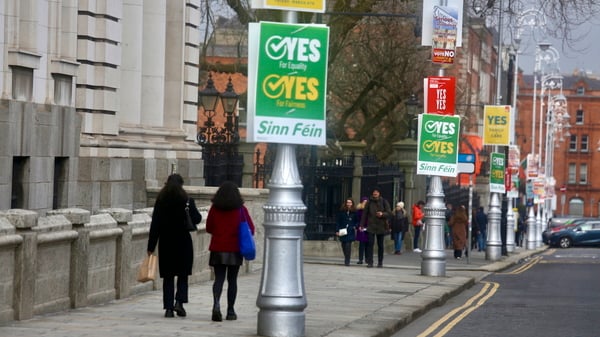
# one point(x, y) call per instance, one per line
point(348, 301)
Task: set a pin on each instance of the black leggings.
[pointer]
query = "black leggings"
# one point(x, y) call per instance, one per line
point(221, 271)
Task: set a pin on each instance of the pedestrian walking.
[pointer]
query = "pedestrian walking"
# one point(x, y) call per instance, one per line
point(176, 251)
point(224, 217)
point(521, 230)
point(399, 227)
point(361, 232)
point(447, 232)
point(482, 222)
point(345, 228)
point(377, 212)
point(459, 223)
point(417, 222)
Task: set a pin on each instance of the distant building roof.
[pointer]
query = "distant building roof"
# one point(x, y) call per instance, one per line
point(570, 81)
point(229, 39)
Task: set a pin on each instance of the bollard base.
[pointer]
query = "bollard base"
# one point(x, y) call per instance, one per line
point(493, 253)
point(281, 323)
point(433, 267)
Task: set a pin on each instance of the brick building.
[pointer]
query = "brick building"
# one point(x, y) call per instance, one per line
point(577, 188)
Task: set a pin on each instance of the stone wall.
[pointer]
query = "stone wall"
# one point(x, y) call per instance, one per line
point(71, 258)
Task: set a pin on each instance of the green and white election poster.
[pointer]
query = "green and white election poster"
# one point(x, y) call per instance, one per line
point(438, 145)
point(497, 173)
point(287, 83)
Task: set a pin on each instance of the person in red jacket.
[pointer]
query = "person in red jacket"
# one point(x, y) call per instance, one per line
point(417, 222)
point(222, 223)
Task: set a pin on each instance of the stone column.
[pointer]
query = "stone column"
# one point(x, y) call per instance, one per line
point(79, 254)
point(356, 148)
point(247, 151)
point(123, 255)
point(25, 261)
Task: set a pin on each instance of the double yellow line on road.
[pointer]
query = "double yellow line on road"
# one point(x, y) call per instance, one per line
point(524, 267)
point(451, 319)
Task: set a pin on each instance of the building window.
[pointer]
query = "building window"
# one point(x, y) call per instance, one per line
point(576, 207)
point(573, 143)
point(63, 86)
point(580, 91)
point(579, 117)
point(572, 173)
point(584, 143)
point(583, 176)
point(19, 169)
point(475, 62)
point(22, 83)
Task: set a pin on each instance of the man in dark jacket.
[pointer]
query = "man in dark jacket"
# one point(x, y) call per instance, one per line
point(376, 214)
point(482, 221)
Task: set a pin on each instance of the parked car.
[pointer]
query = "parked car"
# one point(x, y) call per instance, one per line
point(547, 233)
point(559, 223)
point(561, 220)
point(579, 233)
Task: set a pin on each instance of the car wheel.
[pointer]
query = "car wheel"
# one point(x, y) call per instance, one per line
point(564, 242)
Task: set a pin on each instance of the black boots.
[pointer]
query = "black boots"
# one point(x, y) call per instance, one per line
point(216, 315)
point(179, 309)
point(231, 315)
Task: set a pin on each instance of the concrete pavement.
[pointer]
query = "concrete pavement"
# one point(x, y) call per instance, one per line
point(342, 301)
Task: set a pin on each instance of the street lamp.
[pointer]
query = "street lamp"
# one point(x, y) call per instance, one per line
point(220, 143)
point(557, 125)
point(484, 157)
point(412, 105)
point(209, 96)
point(546, 67)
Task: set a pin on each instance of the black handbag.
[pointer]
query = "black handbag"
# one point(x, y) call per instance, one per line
point(189, 224)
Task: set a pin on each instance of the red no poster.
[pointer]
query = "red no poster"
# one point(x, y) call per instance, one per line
point(440, 95)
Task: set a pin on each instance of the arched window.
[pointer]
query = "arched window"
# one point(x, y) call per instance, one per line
point(576, 207)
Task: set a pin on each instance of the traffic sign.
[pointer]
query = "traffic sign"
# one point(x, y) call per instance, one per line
point(466, 158)
point(468, 168)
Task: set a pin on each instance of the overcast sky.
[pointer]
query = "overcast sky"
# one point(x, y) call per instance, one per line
point(586, 54)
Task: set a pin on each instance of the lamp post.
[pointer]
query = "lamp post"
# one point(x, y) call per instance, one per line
point(532, 19)
point(550, 79)
point(282, 299)
point(557, 126)
point(412, 104)
point(546, 60)
point(433, 257)
point(220, 143)
point(533, 218)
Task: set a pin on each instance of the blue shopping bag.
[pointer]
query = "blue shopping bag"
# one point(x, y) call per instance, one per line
point(247, 245)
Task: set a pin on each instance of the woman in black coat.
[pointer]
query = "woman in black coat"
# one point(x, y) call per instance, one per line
point(176, 252)
point(345, 228)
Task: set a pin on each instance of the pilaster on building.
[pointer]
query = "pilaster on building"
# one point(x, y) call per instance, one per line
point(101, 101)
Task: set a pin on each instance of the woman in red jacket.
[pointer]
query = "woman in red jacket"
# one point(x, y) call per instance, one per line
point(417, 222)
point(222, 223)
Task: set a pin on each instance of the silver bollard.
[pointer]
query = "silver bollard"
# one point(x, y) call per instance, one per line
point(281, 298)
point(433, 261)
point(531, 229)
point(538, 226)
point(543, 224)
point(510, 227)
point(493, 249)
